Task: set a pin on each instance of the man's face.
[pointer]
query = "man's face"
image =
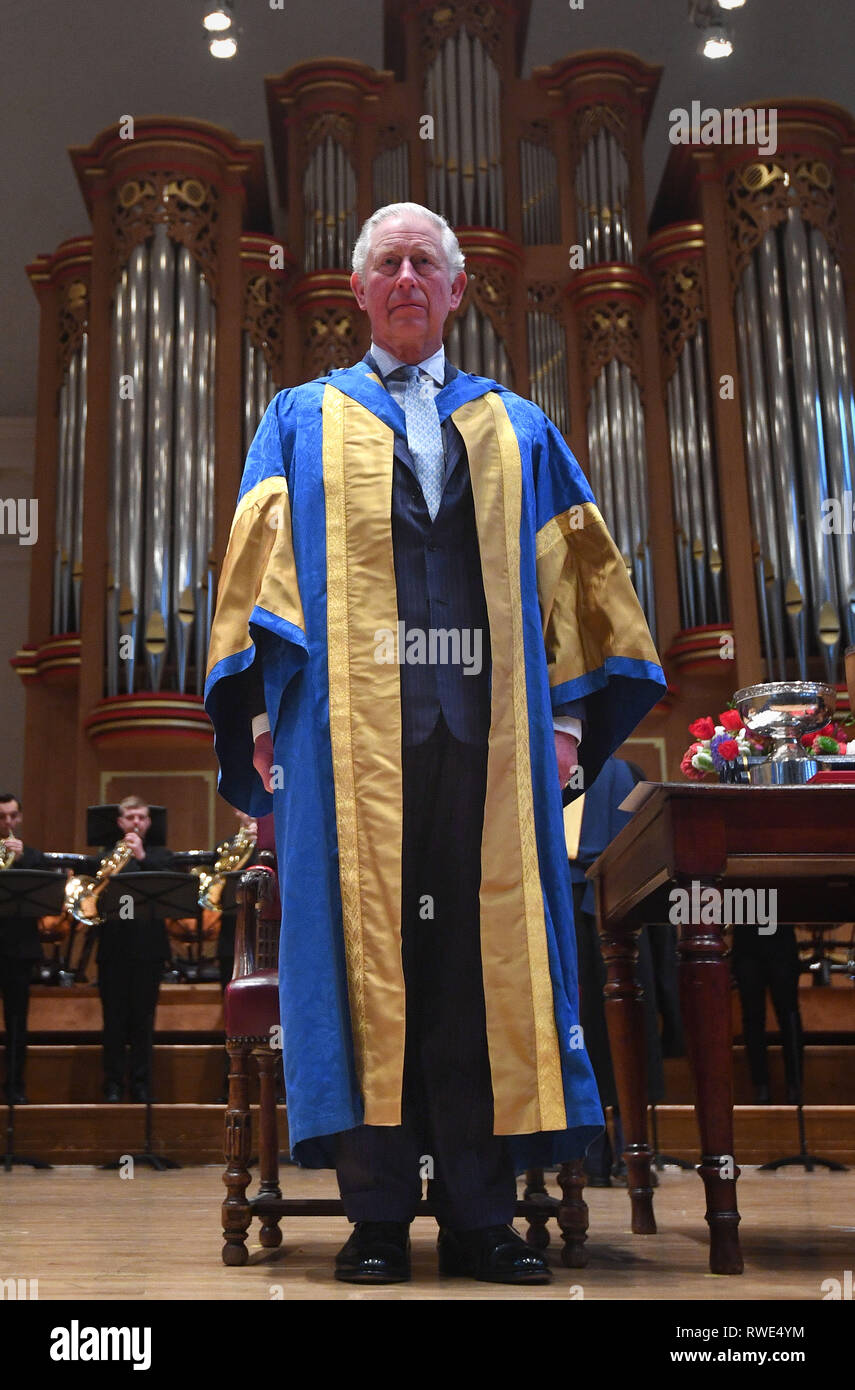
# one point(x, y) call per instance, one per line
point(407, 292)
point(10, 818)
point(135, 818)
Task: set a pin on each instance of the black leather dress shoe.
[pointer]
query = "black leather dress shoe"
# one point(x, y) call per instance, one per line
point(112, 1094)
point(16, 1095)
point(494, 1254)
point(139, 1095)
point(378, 1252)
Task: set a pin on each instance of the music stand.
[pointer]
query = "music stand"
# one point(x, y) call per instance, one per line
point(25, 893)
point(154, 896)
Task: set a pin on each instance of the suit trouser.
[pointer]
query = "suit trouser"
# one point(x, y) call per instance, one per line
point(129, 990)
point(15, 977)
point(446, 1134)
point(761, 962)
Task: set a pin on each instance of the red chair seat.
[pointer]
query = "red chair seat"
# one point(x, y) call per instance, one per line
point(251, 1005)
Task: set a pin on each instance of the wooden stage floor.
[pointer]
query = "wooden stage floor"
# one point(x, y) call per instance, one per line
point(88, 1234)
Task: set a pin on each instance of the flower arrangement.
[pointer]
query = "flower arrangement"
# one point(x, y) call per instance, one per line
point(718, 747)
point(832, 738)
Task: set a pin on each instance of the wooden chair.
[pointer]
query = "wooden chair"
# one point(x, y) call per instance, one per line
point(251, 1007)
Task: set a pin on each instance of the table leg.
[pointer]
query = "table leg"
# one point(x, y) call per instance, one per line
point(625, 1021)
point(705, 1004)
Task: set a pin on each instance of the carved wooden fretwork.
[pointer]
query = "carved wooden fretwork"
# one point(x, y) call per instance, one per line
point(610, 329)
point(73, 319)
point(189, 208)
point(389, 137)
point(544, 298)
point(315, 131)
point(490, 288)
point(481, 20)
point(681, 296)
point(538, 132)
point(759, 196)
point(262, 317)
point(331, 340)
point(590, 120)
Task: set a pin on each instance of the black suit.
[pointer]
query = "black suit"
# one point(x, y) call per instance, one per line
point(131, 957)
point(20, 948)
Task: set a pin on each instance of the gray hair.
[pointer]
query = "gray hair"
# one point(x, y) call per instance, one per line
point(454, 257)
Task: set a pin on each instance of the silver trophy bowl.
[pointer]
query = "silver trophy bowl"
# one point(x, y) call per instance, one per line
point(783, 711)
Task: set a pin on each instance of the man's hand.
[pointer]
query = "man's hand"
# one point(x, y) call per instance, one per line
point(262, 759)
point(15, 845)
point(136, 844)
point(567, 753)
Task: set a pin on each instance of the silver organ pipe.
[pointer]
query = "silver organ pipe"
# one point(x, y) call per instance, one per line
point(684, 569)
point(133, 473)
point(539, 187)
point(767, 346)
point(602, 214)
point(697, 533)
point(391, 179)
point(616, 447)
point(79, 465)
point(68, 509)
point(761, 493)
point(700, 363)
point(118, 416)
point(452, 97)
point(159, 452)
point(838, 407)
point(547, 356)
point(60, 559)
point(464, 172)
point(185, 463)
point(815, 482)
point(467, 123)
point(203, 398)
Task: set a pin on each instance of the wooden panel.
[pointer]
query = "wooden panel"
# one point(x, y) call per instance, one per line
point(188, 796)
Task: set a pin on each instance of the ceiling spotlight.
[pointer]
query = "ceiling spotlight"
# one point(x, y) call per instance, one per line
point(717, 42)
point(220, 17)
point(223, 48)
point(730, 4)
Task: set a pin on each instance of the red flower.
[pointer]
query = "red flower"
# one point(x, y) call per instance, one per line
point(702, 728)
point(728, 749)
point(827, 731)
point(731, 719)
point(686, 764)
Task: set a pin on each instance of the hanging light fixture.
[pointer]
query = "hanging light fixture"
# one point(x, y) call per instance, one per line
point(717, 42)
point(218, 18)
point(219, 22)
point(707, 15)
point(224, 47)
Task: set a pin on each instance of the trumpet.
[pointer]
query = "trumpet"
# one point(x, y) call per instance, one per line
point(231, 855)
point(7, 855)
point(81, 894)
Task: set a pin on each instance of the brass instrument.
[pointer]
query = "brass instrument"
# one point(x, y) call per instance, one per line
point(7, 855)
point(81, 894)
point(231, 855)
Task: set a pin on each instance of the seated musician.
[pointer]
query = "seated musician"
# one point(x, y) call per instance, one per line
point(20, 949)
point(131, 958)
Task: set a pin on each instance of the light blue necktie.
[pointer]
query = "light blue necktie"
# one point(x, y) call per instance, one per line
point(424, 435)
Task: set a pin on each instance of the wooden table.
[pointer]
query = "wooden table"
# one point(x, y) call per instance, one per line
point(799, 841)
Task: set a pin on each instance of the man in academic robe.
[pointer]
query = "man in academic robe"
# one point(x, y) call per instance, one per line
point(418, 586)
point(20, 949)
point(131, 959)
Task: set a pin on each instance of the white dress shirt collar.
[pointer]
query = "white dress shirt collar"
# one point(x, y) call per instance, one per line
point(433, 365)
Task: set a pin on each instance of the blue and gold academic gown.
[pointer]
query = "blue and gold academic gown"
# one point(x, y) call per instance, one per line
point(307, 584)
